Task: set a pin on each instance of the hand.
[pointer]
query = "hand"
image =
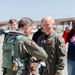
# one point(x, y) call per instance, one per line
point(33, 58)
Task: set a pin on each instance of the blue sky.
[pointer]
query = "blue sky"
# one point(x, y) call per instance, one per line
point(36, 9)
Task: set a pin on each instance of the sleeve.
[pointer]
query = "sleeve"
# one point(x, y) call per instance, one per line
point(34, 49)
point(61, 54)
point(65, 36)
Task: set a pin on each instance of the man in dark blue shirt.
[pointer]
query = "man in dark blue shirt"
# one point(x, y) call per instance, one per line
point(71, 50)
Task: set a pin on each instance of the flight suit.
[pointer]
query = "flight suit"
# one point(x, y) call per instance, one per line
point(55, 47)
point(29, 47)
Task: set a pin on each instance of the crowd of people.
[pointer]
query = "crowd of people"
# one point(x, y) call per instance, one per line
point(46, 48)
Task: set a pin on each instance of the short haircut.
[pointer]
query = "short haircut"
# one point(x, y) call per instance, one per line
point(24, 22)
point(11, 21)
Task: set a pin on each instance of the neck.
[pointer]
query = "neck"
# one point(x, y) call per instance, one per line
point(48, 33)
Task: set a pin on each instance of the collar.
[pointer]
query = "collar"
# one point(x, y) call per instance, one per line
point(52, 33)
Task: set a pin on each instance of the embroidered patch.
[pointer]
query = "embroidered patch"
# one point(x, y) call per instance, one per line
point(49, 41)
point(43, 42)
point(33, 43)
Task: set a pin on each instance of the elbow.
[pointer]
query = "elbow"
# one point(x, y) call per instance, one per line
point(42, 57)
point(45, 56)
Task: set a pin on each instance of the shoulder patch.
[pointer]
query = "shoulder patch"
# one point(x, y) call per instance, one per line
point(33, 43)
point(49, 41)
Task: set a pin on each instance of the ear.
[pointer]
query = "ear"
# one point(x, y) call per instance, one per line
point(53, 24)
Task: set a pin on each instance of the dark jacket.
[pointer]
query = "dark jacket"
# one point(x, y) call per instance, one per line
point(71, 45)
point(36, 35)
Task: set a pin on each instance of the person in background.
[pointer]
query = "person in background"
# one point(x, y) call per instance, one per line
point(71, 50)
point(54, 46)
point(12, 25)
point(65, 33)
point(38, 33)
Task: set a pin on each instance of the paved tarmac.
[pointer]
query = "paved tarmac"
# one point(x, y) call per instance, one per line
point(1, 42)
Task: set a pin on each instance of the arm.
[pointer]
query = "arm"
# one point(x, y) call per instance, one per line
point(33, 49)
point(61, 54)
point(64, 36)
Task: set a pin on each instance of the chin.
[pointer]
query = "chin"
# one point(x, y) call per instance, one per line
point(47, 33)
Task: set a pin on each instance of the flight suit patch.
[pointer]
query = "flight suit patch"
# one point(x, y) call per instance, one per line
point(49, 41)
point(33, 43)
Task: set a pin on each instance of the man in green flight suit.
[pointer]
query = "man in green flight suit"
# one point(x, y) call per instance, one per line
point(26, 47)
point(54, 45)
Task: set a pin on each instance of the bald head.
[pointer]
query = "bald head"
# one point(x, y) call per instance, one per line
point(47, 24)
point(48, 18)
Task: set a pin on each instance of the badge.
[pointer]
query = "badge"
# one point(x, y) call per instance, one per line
point(49, 41)
point(43, 42)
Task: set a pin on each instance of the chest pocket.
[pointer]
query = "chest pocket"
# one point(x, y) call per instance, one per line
point(50, 43)
point(50, 47)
